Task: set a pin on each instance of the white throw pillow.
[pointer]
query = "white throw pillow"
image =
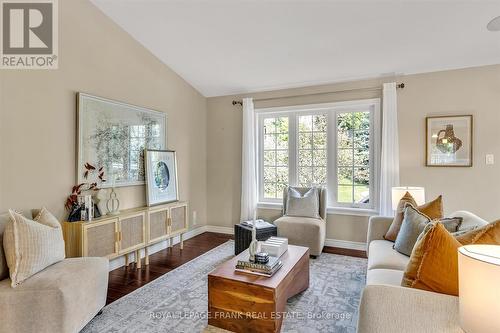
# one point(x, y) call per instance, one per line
point(32, 245)
point(303, 205)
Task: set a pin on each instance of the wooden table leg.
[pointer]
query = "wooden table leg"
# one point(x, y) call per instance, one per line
point(126, 260)
point(146, 256)
point(182, 242)
point(138, 259)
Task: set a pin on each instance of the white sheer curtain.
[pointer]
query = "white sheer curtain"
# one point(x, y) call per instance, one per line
point(389, 162)
point(248, 162)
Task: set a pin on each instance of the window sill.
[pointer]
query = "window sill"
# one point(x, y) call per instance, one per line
point(330, 210)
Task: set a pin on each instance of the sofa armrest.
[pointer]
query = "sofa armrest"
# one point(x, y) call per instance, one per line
point(377, 228)
point(388, 309)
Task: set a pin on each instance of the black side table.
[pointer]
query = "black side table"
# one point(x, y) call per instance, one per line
point(243, 236)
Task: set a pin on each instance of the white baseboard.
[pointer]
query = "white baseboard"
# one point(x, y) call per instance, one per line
point(120, 261)
point(345, 244)
point(219, 229)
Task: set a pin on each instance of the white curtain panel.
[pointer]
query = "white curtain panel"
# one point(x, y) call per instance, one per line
point(389, 162)
point(248, 162)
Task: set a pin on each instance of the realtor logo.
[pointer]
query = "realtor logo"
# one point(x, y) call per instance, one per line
point(29, 34)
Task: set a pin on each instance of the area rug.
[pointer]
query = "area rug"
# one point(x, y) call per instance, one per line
point(177, 301)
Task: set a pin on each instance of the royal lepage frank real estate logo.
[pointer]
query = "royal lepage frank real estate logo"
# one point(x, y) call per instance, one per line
point(29, 34)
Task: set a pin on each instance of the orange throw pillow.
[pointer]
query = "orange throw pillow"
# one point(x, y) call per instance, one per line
point(488, 234)
point(433, 263)
point(433, 209)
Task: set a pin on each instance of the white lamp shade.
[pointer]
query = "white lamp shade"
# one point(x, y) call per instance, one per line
point(479, 290)
point(418, 193)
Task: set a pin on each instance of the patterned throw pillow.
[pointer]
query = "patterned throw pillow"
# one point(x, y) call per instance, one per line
point(303, 205)
point(32, 245)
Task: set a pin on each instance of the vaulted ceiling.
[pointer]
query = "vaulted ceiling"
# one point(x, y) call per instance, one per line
point(226, 47)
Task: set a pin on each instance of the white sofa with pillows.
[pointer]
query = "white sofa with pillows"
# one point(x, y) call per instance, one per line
point(388, 307)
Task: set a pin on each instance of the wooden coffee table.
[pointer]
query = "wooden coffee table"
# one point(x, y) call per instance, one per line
point(243, 302)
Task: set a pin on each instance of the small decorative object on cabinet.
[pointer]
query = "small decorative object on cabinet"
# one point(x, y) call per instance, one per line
point(129, 231)
point(449, 141)
point(243, 234)
point(113, 204)
point(161, 177)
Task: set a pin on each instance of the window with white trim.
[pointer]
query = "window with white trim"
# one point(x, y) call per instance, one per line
point(334, 145)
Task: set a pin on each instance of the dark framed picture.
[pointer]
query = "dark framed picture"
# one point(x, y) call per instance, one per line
point(161, 177)
point(449, 141)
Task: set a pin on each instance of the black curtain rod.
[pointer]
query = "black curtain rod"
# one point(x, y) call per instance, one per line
point(399, 86)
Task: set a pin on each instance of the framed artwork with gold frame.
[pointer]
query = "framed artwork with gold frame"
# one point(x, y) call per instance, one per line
point(449, 141)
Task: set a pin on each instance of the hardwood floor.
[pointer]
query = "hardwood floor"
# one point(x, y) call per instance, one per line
point(124, 280)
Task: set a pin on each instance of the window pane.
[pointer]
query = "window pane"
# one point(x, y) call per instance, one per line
point(269, 158)
point(345, 176)
point(281, 125)
point(282, 158)
point(269, 190)
point(361, 194)
point(319, 140)
point(275, 156)
point(280, 187)
point(269, 141)
point(344, 194)
point(282, 175)
point(305, 140)
point(319, 157)
point(282, 141)
point(319, 123)
point(305, 158)
point(319, 176)
point(269, 174)
point(361, 158)
point(361, 120)
point(269, 126)
point(344, 157)
point(305, 175)
point(361, 176)
point(362, 139)
point(305, 123)
point(344, 138)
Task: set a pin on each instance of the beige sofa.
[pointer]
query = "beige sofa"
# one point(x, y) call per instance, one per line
point(386, 306)
point(63, 297)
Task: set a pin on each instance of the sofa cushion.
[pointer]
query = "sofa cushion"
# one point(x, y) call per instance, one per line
point(433, 263)
point(488, 234)
point(302, 204)
point(32, 245)
point(61, 298)
point(390, 309)
point(384, 276)
point(433, 209)
point(382, 255)
point(303, 231)
point(413, 224)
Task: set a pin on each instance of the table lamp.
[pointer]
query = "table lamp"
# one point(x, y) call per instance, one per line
point(418, 193)
point(479, 288)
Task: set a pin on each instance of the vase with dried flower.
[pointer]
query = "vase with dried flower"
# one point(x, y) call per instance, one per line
point(73, 205)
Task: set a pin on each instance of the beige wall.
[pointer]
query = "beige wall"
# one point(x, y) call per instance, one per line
point(470, 91)
point(38, 113)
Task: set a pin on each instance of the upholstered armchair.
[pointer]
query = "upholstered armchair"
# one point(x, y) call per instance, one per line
point(304, 231)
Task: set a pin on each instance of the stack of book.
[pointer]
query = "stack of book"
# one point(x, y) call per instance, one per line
point(275, 246)
point(267, 269)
